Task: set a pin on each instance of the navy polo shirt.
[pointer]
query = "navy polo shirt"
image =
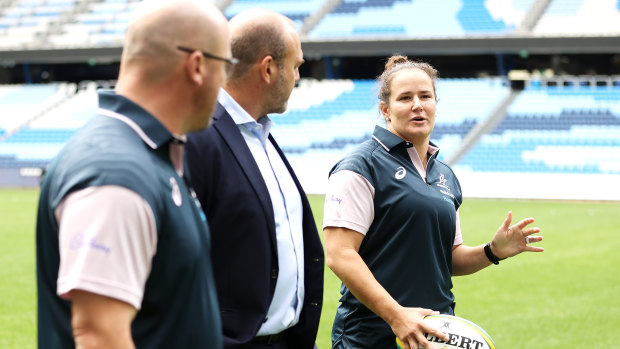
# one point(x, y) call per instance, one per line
point(408, 246)
point(126, 146)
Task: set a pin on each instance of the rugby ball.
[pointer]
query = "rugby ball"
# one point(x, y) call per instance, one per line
point(463, 333)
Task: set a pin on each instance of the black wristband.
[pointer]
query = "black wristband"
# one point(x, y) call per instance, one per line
point(493, 258)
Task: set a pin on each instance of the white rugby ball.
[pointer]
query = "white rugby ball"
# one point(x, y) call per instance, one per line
point(463, 333)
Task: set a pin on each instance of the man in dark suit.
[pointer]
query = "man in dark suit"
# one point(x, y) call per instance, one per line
point(267, 255)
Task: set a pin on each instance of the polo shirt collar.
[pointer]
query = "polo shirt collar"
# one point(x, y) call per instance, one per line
point(389, 141)
point(151, 130)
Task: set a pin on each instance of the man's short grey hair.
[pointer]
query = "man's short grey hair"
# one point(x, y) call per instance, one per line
point(264, 39)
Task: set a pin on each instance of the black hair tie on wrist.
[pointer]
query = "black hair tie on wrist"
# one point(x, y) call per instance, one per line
point(493, 258)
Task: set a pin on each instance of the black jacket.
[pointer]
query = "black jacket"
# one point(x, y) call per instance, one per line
point(236, 201)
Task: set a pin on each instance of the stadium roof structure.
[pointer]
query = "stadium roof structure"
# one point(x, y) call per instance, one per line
point(363, 47)
point(463, 46)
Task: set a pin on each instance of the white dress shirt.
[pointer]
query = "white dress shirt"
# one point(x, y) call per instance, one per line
point(288, 298)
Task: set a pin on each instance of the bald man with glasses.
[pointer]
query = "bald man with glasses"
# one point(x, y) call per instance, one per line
point(123, 247)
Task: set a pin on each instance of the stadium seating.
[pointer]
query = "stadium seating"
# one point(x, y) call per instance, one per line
point(331, 116)
point(421, 18)
point(20, 103)
point(39, 120)
point(296, 10)
point(460, 108)
point(87, 23)
point(325, 119)
point(564, 128)
point(64, 23)
point(580, 17)
point(557, 126)
point(558, 129)
point(343, 114)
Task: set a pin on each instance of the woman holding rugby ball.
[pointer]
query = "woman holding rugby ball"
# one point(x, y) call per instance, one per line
point(391, 222)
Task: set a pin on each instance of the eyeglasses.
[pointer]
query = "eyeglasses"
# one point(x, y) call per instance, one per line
point(230, 61)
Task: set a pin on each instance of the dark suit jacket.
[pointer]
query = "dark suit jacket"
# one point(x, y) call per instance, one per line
point(236, 201)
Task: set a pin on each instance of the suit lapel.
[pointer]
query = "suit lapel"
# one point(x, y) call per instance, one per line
point(288, 166)
point(229, 131)
point(307, 211)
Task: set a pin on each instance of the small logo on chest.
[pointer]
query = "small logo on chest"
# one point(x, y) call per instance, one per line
point(443, 184)
point(176, 192)
point(400, 173)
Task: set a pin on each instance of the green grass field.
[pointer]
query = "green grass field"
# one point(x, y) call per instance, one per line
point(566, 297)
